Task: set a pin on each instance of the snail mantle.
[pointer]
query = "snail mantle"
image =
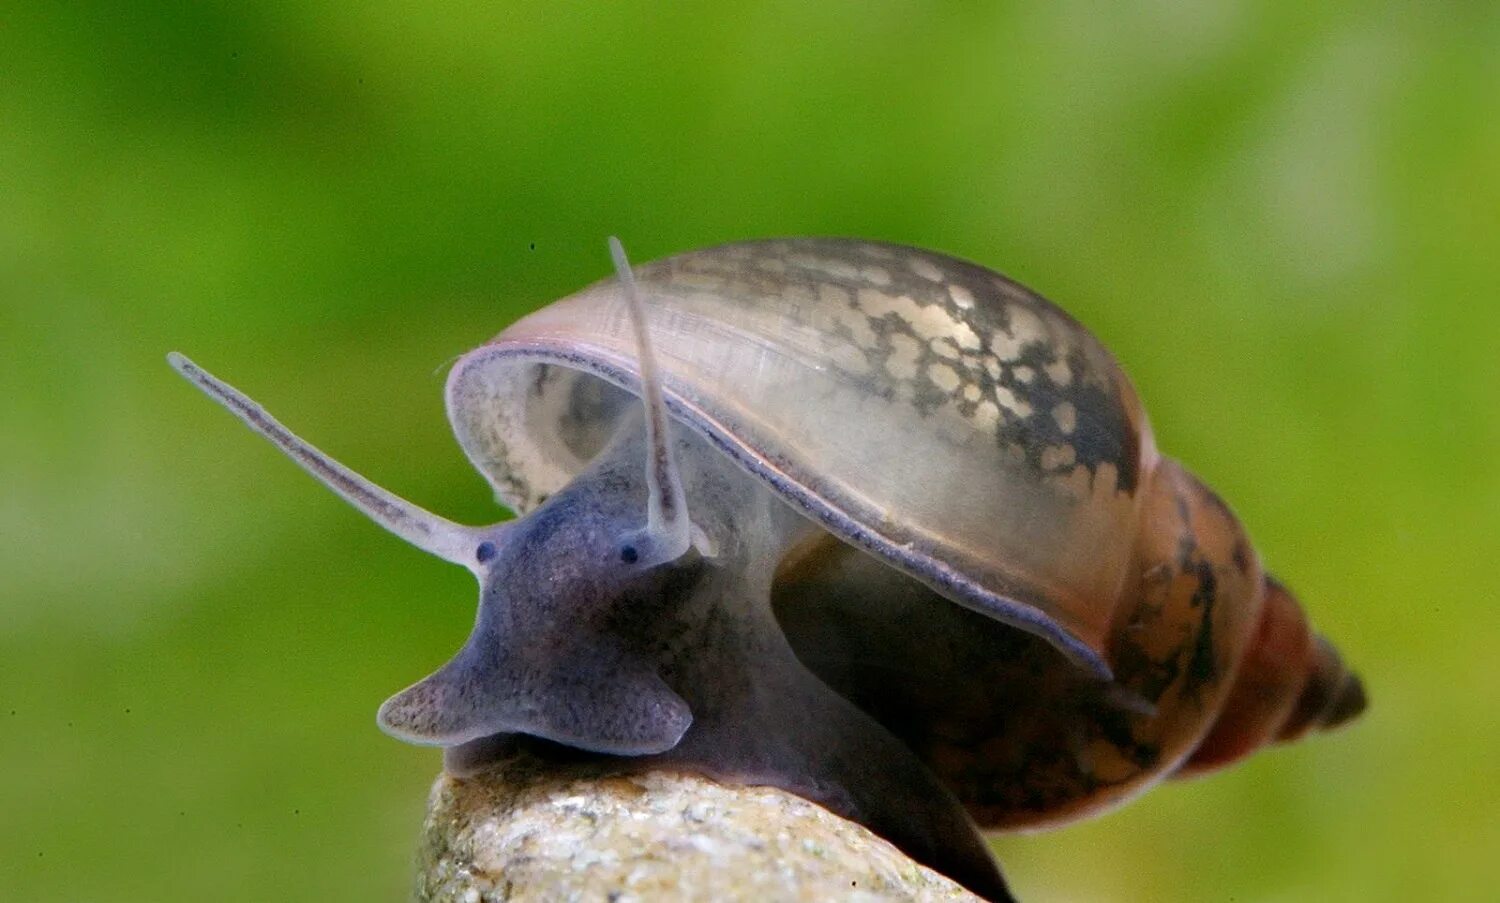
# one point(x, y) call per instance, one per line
point(522, 830)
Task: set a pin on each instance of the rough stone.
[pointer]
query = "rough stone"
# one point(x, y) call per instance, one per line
point(520, 831)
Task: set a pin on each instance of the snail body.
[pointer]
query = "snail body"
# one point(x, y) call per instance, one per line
point(902, 543)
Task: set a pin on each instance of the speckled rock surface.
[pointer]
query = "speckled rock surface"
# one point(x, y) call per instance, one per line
point(520, 832)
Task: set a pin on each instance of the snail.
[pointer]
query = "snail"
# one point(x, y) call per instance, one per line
point(868, 523)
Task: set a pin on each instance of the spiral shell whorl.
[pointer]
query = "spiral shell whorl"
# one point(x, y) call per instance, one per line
point(1289, 683)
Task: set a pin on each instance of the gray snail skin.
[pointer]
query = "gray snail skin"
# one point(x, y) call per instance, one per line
point(868, 523)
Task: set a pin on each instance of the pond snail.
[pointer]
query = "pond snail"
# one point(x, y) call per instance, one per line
point(903, 544)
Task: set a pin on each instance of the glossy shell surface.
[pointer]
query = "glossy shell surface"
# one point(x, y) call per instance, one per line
point(923, 408)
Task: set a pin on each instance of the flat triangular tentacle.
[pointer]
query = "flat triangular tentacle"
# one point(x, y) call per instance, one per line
point(452, 705)
point(589, 699)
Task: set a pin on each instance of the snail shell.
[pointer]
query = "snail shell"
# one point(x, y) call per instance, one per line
point(973, 442)
point(923, 409)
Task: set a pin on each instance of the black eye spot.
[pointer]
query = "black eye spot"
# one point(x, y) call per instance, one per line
point(485, 552)
point(629, 555)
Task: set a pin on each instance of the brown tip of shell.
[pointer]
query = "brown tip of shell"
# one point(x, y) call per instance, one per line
point(1331, 696)
point(1349, 703)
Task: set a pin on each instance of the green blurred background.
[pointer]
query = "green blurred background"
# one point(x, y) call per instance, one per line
point(1285, 219)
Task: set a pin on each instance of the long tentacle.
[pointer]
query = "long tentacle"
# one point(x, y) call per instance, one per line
point(668, 531)
point(423, 529)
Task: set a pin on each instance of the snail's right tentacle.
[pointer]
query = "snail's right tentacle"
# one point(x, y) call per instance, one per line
point(418, 526)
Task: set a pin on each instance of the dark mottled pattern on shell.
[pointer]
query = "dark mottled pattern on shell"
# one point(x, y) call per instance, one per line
point(938, 332)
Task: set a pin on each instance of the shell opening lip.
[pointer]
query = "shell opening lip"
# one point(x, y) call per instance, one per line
point(621, 372)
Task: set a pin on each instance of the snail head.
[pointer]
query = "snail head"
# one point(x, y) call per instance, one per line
point(548, 655)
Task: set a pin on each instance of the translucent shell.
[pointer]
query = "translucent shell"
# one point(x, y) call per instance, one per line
point(923, 408)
